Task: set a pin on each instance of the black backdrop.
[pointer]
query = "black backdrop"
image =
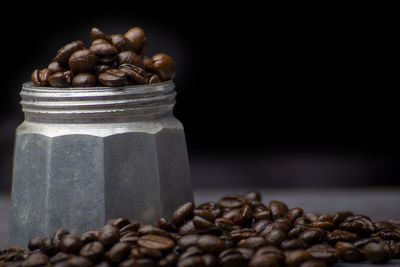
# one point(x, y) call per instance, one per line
point(252, 80)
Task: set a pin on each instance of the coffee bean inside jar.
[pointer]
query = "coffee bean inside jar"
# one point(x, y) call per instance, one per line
point(109, 60)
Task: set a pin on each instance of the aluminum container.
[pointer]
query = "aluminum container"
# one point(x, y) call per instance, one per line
point(86, 155)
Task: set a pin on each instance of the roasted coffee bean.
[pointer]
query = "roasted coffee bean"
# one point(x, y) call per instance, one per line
point(264, 261)
point(210, 243)
point(164, 66)
point(348, 252)
point(279, 224)
point(156, 242)
point(194, 261)
point(103, 49)
point(113, 77)
point(137, 38)
point(132, 227)
point(294, 258)
point(231, 202)
point(56, 67)
point(120, 222)
point(339, 235)
point(324, 252)
point(390, 234)
point(188, 241)
point(231, 213)
point(302, 220)
point(361, 225)
point(40, 77)
point(252, 195)
point(82, 61)
point(313, 235)
point(36, 259)
point(293, 214)
point(296, 231)
point(166, 225)
point(242, 233)
point(143, 262)
point(278, 209)
point(109, 235)
point(93, 250)
point(142, 252)
point(96, 33)
point(169, 260)
point(121, 43)
point(201, 223)
point(188, 228)
point(232, 257)
point(260, 225)
point(48, 247)
point(377, 252)
point(130, 239)
point(229, 243)
point(60, 257)
point(274, 237)
point(59, 79)
point(98, 69)
point(34, 243)
point(312, 216)
point(135, 73)
point(314, 263)
point(322, 224)
point(66, 51)
point(84, 80)
point(394, 248)
point(71, 244)
point(154, 78)
point(258, 206)
point(225, 224)
point(206, 214)
point(252, 242)
point(244, 216)
point(89, 236)
point(152, 229)
point(325, 218)
point(262, 215)
point(292, 244)
point(118, 252)
point(129, 57)
point(340, 217)
point(183, 213)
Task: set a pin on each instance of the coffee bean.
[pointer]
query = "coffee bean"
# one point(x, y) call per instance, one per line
point(156, 242)
point(311, 216)
point(294, 258)
point(232, 257)
point(144, 262)
point(84, 80)
point(183, 213)
point(82, 61)
point(103, 49)
point(188, 228)
point(296, 231)
point(340, 217)
point(137, 38)
point(40, 77)
point(34, 243)
point(96, 33)
point(340, 235)
point(164, 66)
point(132, 227)
point(154, 79)
point(274, 237)
point(118, 252)
point(60, 257)
point(135, 73)
point(252, 242)
point(188, 241)
point(71, 244)
point(293, 214)
point(143, 252)
point(152, 229)
point(260, 225)
point(264, 261)
point(79, 262)
point(93, 250)
point(166, 225)
point(201, 223)
point(169, 260)
point(58, 79)
point(66, 51)
point(225, 224)
point(210, 243)
point(56, 67)
point(120, 222)
point(313, 235)
point(129, 57)
point(322, 224)
point(348, 252)
point(113, 77)
point(242, 233)
point(278, 209)
point(98, 69)
point(121, 43)
point(244, 216)
point(392, 234)
point(292, 244)
point(89, 236)
point(262, 215)
point(324, 252)
point(377, 252)
point(36, 259)
point(394, 248)
point(48, 247)
point(252, 195)
point(109, 235)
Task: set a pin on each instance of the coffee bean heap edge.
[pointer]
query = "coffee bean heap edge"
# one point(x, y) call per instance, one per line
point(238, 230)
point(114, 60)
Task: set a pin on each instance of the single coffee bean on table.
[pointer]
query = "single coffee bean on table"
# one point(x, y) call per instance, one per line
point(224, 233)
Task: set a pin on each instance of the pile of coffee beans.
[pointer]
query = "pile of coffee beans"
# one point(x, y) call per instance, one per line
point(238, 230)
point(110, 60)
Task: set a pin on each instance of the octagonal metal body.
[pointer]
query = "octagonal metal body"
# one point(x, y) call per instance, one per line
point(84, 156)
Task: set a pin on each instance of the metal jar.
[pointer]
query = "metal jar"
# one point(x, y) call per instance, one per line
point(86, 155)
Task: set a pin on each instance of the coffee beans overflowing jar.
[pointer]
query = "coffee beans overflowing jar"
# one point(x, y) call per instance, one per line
point(114, 60)
point(238, 230)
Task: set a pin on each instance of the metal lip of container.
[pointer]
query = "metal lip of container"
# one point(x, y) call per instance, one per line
point(86, 155)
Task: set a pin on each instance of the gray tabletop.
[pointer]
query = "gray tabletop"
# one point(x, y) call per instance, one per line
point(377, 203)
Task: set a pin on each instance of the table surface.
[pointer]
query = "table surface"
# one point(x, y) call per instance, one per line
point(377, 203)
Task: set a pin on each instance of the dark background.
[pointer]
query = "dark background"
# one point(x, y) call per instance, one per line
point(269, 96)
